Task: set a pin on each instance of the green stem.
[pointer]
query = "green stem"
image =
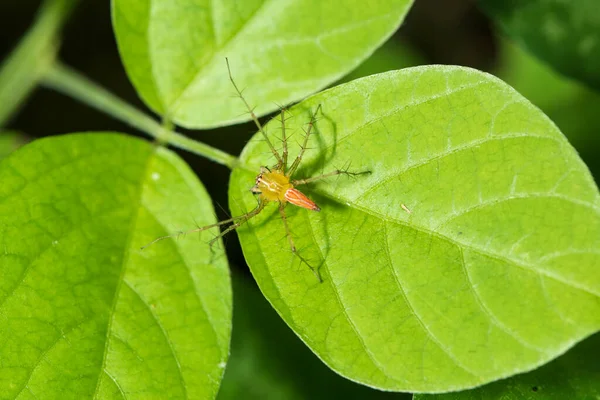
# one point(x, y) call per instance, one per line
point(35, 53)
point(68, 81)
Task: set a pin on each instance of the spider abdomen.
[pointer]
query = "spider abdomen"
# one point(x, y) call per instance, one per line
point(299, 199)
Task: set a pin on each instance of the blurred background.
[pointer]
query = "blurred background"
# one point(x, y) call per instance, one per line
point(267, 359)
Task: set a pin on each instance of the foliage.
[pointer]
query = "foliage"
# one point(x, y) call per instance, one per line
point(474, 274)
point(566, 34)
point(83, 311)
point(175, 55)
point(468, 254)
point(574, 375)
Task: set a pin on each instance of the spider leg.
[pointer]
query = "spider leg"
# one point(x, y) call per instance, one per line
point(293, 246)
point(298, 182)
point(240, 220)
point(237, 222)
point(284, 151)
point(255, 118)
point(308, 131)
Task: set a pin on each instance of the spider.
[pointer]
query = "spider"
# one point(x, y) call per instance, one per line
point(275, 185)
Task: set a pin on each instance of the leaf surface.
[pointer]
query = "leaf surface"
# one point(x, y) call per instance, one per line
point(280, 51)
point(565, 34)
point(575, 375)
point(268, 361)
point(84, 313)
point(496, 270)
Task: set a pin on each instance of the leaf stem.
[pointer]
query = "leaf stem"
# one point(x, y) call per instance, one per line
point(35, 53)
point(70, 82)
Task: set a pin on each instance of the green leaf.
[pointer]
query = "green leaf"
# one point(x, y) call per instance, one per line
point(565, 34)
point(394, 54)
point(575, 375)
point(23, 68)
point(279, 51)
point(83, 311)
point(269, 362)
point(495, 272)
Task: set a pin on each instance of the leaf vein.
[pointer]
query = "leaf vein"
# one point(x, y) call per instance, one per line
point(43, 354)
point(496, 256)
point(125, 260)
point(194, 284)
point(164, 333)
point(368, 352)
point(419, 319)
point(116, 384)
point(499, 200)
point(173, 106)
point(493, 319)
point(443, 154)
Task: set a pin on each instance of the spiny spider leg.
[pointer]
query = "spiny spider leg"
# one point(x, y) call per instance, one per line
point(280, 162)
point(293, 246)
point(241, 219)
point(298, 182)
point(284, 151)
point(311, 124)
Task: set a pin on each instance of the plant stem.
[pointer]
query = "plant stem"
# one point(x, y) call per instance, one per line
point(68, 81)
point(35, 53)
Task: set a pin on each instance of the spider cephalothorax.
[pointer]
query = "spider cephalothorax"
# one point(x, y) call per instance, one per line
point(276, 186)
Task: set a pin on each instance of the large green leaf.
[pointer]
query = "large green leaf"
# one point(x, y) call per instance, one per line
point(497, 269)
point(83, 311)
point(575, 375)
point(280, 51)
point(565, 34)
point(269, 362)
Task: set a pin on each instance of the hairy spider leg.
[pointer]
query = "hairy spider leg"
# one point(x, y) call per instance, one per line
point(242, 219)
point(284, 151)
point(280, 162)
point(237, 222)
point(288, 233)
point(311, 124)
point(298, 182)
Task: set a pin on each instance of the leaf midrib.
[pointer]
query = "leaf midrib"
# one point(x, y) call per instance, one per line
point(137, 207)
point(172, 107)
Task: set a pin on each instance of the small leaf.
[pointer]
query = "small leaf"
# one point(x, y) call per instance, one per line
point(566, 34)
point(83, 311)
point(279, 51)
point(496, 270)
point(575, 375)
